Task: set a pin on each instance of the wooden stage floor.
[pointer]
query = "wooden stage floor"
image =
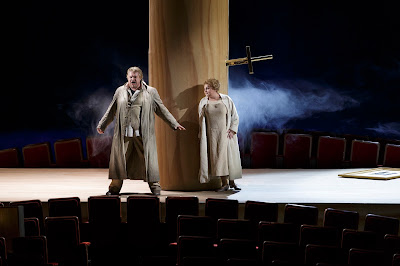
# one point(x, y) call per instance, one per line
point(318, 187)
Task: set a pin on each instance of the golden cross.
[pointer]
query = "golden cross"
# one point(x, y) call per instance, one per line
point(247, 60)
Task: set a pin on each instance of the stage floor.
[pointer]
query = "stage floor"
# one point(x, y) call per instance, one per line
point(268, 185)
point(322, 188)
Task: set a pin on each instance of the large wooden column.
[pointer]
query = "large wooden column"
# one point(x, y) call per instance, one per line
point(188, 44)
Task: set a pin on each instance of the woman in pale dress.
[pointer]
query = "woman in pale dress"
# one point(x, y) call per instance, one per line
point(219, 149)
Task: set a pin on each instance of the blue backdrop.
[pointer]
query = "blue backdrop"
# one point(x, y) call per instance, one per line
point(336, 66)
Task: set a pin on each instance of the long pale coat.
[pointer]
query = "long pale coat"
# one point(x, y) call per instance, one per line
point(118, 108)
point(232, 123)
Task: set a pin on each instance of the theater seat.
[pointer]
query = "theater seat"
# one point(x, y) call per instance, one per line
point(29, 251)
point(37, 155)
point(297, 150)
point(68, 206)
point(364, 154)
point(330, 152)
point(9, 158)
point(68, 153)
point(363, 257)
point(392, 156)
point(98, 151)
point(341, 219)
point(64, 244)
point(32, 208)
point(264, 149)
point(175, 206)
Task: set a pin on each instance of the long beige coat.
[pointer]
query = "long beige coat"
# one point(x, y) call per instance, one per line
point(118, 108)
point(232, 123)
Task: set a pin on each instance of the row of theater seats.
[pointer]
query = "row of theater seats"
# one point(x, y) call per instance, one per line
point(267, 150)
point(186, 238)
point(302, 150)
point(68, 153)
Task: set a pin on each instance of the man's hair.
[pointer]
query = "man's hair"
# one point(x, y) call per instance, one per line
point(135, 69)
point(214, 83)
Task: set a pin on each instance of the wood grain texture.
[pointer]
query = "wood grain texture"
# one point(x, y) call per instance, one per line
point(188, 44)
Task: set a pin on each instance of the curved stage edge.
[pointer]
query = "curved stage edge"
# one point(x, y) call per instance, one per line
point(322, 188)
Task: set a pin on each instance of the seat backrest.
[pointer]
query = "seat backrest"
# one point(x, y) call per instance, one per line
point(297, 150)
point(280, 251)
point(143, 220)
point(32, 226)
point(396, 259)
point(392, 156)
point(300, 214)
point(32, 208)
point(261, 211)
point(29, 250)
point(37, 155)
point(359, 239)
point(391, 243)
point(3, 250)
point(175, 206)
point(63, 237)
point(104, 209)
point(195, 246)
point(331, 152)
point(68, 152)
point(341, 218)
point(221, 208)
point(381, 224)
point(324, 254)
point(9, 158)
point(237, 248)
point(278, 232)
point(191, 225)
point(234, 229)
point(362, 257)
point(69, 206)
point(317, 235)
point(99, 150)
point(264, 149)
point(364, 153)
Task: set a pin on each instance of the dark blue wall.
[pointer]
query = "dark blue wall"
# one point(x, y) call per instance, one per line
point(336, 66)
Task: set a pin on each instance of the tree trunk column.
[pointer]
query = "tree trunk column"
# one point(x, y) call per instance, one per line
point(188, 44)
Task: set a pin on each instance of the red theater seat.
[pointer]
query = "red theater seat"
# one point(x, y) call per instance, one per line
point(143, 221)
point(191, 225)
point(234, 229)
point(32, 208)
point(300, 214)
point(98, 151)
point(330, 152)
point(70, 206)
point(64, 244)
point(283, 252)
point(222, 208)
point(68, 153)
point(392, 156)
point(9, 158)
point(297, 150)
point(175, 206)
point(364, 154)
point(381, 224)
point(37, 155)
point(341, 219)
point(363, 257)
point(32, 226)
point(264, 149)
point(29, 250)
point(3, 251)
point(318, 235)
